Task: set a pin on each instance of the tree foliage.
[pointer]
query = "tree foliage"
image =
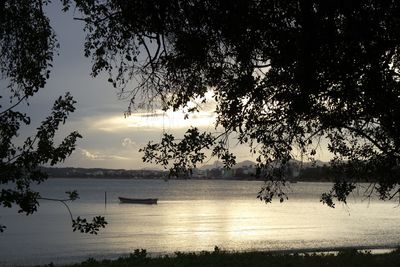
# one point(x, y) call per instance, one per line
point(285, 75)
point(27, 48)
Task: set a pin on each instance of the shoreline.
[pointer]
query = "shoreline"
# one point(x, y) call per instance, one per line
point(373, 249)
point(143, 253)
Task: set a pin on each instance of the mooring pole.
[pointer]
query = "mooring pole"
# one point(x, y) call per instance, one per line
point(105, 198)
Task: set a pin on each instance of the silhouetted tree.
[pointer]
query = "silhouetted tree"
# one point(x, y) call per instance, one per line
point(27, 47)
point(285, 74)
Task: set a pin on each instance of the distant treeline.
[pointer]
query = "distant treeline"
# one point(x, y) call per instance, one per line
point(70, 172)
point(318, 173)
point(315, 173)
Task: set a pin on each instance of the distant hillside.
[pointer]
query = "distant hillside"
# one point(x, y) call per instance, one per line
point(218, 164)
point(248, 163)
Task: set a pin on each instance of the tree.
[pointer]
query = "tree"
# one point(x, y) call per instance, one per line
point(27, 47)
point(285, 75)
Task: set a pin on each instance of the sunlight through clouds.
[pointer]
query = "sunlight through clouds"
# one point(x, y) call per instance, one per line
point(155, 120)
point(158, 119)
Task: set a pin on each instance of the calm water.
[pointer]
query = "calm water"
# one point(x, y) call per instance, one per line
point(191, 216)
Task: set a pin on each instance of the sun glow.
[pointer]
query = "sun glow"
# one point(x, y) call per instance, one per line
point(167, 120)
point(156, 120)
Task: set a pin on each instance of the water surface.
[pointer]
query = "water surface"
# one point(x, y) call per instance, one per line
point(192, 215)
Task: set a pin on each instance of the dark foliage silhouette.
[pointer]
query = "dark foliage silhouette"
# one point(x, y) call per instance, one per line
point(27, 47)
point(286, 75)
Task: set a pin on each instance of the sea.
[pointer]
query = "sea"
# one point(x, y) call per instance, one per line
point(192, 216)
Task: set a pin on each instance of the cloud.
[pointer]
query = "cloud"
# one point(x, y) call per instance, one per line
point(87, 154)
point(128, 142)
point(157, 120)
point(99, 156)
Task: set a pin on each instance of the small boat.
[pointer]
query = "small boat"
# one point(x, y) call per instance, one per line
point(149, 201)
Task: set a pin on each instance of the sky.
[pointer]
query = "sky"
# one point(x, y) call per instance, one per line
point(109, 139)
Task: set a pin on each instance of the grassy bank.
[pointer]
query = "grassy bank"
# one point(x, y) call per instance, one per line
point(247, 259)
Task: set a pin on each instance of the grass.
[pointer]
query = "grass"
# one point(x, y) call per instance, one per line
point(250, 259)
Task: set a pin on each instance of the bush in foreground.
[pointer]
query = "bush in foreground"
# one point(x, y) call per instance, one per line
point(232, 259)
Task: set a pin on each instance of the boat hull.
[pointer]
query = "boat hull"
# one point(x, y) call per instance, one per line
point(148, 201)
